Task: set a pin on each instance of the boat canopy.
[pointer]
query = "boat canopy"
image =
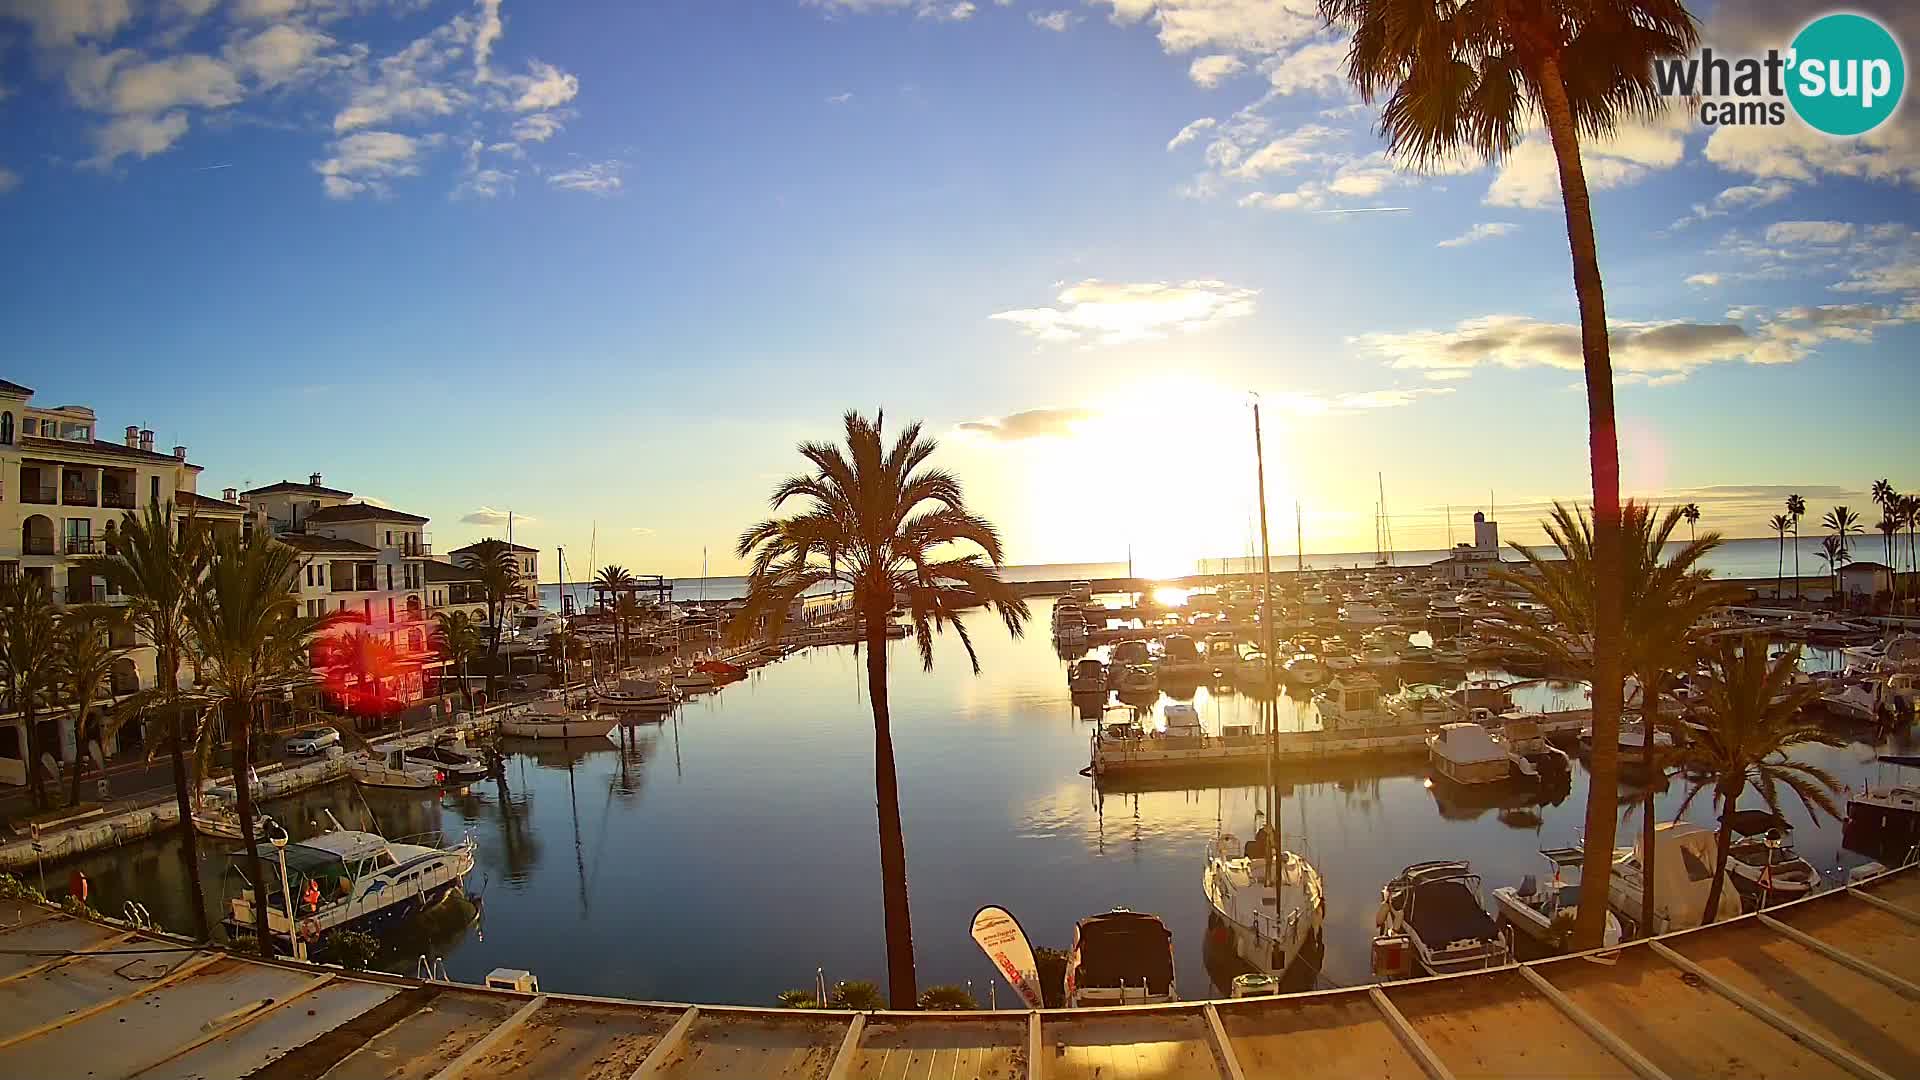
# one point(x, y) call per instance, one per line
point(1123, 948)
point(1756, 822)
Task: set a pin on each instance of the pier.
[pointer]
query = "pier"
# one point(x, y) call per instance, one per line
point(1112, 757)
point(1828, 986)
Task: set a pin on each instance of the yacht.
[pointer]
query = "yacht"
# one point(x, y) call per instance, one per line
point(1683, 873)
point(553, 718)
point(1088, 677)
point(360, 878)
point(1307, 671)
point(1139, 680)
point(1764, 866)
point(1268, 923)
point(1862, 702)
point(1363, 613)
point(692, 678)
point(637, 694)
point(1180, 657)
point(1467, 753)
point(1492, 694)
point(1436, 907)
point(1888, 815)
point(1123, 655)
point(392, 768)
point(217, 815)
point(1546, 911)
point(1183, 722)
point(1120, 958)
point(1533, 754)
point(1350, 700)
point(450, 758)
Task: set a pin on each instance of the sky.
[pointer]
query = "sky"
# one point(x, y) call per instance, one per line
point(604, 264)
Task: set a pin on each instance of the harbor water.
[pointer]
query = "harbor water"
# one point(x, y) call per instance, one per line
point(727, 851)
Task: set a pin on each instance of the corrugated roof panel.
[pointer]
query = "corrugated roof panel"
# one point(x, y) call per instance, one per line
point(428, 1040)
point(52, 936)
point(985, 1049)
point(1127, 1045)
point(1881, 938)
point(577, 1039)
point(739, 1046)
point(1499, 1025)
point(1341, 1034)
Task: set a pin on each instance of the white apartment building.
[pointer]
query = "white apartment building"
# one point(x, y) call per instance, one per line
point(63, 493)
point(526, 559)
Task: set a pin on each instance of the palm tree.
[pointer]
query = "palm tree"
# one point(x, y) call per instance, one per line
point(459, 639)
point(1888, 500)
point(1779, 523)
point(499, 573)
point(1661, 599)
point(1691, 512)
point(1841, 522)
point(615, 582)
point(1909, 508)
point(1883, 493)
point(254, 641)
point(1834, 554)
point(158, 567)
point(626, 607)
point(1471, 77)
point(1752, 710)
point(29, 643)
point(1796, 509)
point(1889, 534)
point(875, 520)
point(83, 674)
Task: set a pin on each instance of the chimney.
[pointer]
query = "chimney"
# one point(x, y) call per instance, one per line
point(146, 439)
point(314, 479)
point(231, 495)
point(179, 453)
point(133, 435)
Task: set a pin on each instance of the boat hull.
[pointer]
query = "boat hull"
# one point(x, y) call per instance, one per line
point(585, 728)
point(1469, 772)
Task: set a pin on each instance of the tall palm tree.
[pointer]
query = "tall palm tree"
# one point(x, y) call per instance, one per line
point(83, 675)
point(29, 643)
point(1883, 493)
point(616, 582)
point(1909, 508)
point(1691, 512)
point(1835, 555)
point(1842, 522)
point(1890, 534)
point(499, 573)
point(158, 568)
point(1661, 598)
point(1796, 509)
point(253, 642)
point(876, 520)
point(1471, 77)
point(1779, 523)
point(1752, 718)
point(626, 608)
point(458, 639)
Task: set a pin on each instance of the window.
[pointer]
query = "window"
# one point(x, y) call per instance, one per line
point(153, 489)
point(389, 609)
point(389, 573)
point(366, 608)
point(6, 428)
point(389, 537)
point(29, 425)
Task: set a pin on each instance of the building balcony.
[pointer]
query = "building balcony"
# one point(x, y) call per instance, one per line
point(86, 545)
point(119, 500)
point(418, 549)
point(42, 494)
point(74, 495)
point(84, 594)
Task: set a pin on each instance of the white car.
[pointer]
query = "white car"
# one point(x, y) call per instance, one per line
point(312, 741)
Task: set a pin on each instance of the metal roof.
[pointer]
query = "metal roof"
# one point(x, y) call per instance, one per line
point(1823, 987)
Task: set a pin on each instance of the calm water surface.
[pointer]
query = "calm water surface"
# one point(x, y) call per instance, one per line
point(725, 853)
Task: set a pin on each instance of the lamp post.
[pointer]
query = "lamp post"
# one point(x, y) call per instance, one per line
point(278, 836)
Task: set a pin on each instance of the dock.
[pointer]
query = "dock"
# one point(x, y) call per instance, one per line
point(1828, 986)
point(1113, 757)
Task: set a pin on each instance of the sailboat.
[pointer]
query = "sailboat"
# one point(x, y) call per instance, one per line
point(1267, 904)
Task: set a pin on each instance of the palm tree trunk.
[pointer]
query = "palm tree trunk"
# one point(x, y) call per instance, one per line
point(189, 836)
point(79, 753)
point(1604, 460)
point(902, 993)
point(1796, 562)
point(1724, 800)
point(241, 713)
point(34, 782)
point(1780, 569)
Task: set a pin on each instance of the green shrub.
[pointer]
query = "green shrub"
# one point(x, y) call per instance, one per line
point(949, 997)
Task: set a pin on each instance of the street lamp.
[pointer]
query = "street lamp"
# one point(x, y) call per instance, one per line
point(278, 837)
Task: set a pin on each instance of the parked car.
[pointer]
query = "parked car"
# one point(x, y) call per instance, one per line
point(312, 741)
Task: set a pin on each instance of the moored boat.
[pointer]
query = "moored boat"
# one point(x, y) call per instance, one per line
point(1267, 915)
point(1436, 907)
point(1467, 753)
point(1683, 872)
point(1120, 958)
point(1545, 911)
point(552, 718)
point(391, 768)
point(1762, 862)
point(636, 694)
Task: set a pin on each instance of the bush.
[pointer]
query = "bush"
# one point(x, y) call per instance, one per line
point(948, 997)
point(857, 994)
point(1051, 965)
point(351, 949)
point(798, 999)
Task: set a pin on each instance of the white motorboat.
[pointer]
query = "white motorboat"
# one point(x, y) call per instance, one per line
point(1222, 653)
point(1350, 700)
point(692, 678)
point(1468, 753)
point(1123, 655)
point(345, 879)
point(1266, 926)
point(1763, 863)
point(636, 694)
point(1494, 695)
point(1533, 754)
point(1632, 740)
point(450, 758)
point(1861, 702)
point(1363, 613)
point(1436, 906)
point(1546, 911)
point(1089, 676)
point(1307, 671)
point(1139, 680)
point(392, 768)
point(552, 718)
point(216, 814)
point(1683, 875)
point(1120, 958)
point(1180, 657)
point(1183, 721)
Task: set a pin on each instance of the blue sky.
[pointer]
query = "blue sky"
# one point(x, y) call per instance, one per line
point(605, 263)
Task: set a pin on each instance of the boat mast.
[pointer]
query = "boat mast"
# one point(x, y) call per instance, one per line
point(1266, 633)
point(1299, 546)
point(560, 572)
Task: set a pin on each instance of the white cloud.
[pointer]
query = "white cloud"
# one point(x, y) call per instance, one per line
point(364, 161)
point(59, 23)
point(1319, 68)
point(191, 79)
point(548, 87)
point(1116, 313)
point(1703, 281)
point(1308, 196)
point(538, 127)
point(277, 54)
point(1056, 21)
point(1302, 404)
point(841, 98)
point(484, 184)
point(485, 36)
point(1030, 424)
point(1261, 26)
point(594, 178)
point(1739, 197)
point(1283, 154)
point(142, 135)
point(1809, 232)
point(1475, 234)
point(936, 10)
point(1530, 175)
point(487, 515)
point(262, 10)
point(1191, 132)
point(8, 180)
point(1897, 277)
point(1207, 72)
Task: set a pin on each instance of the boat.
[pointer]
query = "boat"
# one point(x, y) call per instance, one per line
point(1351, 700)
point(1532, 753)
point(1222, 653)
point(1266, 926)
point(1491, 694)
point(1139, 679)
point(1467, 753)
point(1180, 657)
point(637, 694)
point(691, 678)
point(216, 814)
point(1183, 722)
point(1632, 740)
point(1683, 870)
point(1363, 613)
point(1764, 866)
point(1436, 907)
point(721, 669)
point(359, 880)
point(447, 756)
point(392, 768)
point(1120, 958)
point(1861, 702)
point(1546, 911)
point(1888, 817)
point(1123, 655)
point(552, 718)
point(1088, 677)
point(1307, 671)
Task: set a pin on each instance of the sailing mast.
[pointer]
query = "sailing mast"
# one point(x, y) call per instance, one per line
point(1299, 545)
point(1273, 683)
